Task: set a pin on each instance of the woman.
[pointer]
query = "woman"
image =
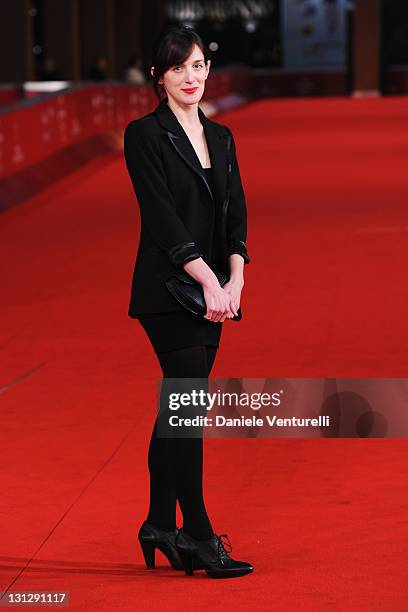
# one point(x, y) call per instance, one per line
point(178, 161)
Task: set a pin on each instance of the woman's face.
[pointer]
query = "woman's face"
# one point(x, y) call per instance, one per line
point(185, 83)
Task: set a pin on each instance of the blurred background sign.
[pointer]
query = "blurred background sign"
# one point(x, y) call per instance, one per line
point(314, 33)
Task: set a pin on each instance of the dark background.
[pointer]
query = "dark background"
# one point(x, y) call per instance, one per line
point(74, 33)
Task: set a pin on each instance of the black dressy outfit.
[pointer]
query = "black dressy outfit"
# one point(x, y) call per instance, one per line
point(181, 206)
point(181, 216)
point(180, 329)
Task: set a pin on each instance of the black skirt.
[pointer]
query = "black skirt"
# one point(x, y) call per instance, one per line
point(170, 331)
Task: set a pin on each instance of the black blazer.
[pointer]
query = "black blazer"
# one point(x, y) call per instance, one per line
point(181, 218)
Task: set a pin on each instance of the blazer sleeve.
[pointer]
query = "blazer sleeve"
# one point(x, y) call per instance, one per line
point(156, 202)
point(237, 210)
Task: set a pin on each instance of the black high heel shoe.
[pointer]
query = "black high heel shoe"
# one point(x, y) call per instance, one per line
point(151, 537)
point(211, 555)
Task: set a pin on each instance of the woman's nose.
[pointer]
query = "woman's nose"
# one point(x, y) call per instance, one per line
point(189, 76)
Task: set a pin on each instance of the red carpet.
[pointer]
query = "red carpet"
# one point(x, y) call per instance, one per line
point(323, 521)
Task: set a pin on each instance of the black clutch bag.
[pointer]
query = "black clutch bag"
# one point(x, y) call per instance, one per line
point(189, 293)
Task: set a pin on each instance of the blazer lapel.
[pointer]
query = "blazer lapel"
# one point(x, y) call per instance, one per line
point(216, 143)
point(217, 147)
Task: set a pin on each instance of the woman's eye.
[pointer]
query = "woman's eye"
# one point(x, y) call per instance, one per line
point(196, 66)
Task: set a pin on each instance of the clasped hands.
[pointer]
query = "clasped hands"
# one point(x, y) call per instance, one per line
point(222, 302)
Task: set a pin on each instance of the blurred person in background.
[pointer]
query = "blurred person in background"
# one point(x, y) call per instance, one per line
point(99, 70)
point(134, 71)
point(49, 71)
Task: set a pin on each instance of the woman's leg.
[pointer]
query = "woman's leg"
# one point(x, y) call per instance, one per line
point(163, 499)
point(176, 464)
point(211, 354)
point(162, 451)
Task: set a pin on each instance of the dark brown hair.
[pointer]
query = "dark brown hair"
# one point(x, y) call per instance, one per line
point(172, 47)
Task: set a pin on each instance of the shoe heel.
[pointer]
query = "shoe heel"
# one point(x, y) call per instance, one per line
point(187, 561)
point(148, 549)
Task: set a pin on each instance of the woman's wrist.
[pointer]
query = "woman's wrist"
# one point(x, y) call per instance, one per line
point(237, 279)
point(236, 269)
point(210, 282)
point(236, 262)
point(201, 272)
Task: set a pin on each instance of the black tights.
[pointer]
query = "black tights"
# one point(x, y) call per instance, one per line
point(176, 464)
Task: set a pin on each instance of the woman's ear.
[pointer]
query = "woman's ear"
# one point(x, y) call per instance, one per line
point(208, 68)
point(152, 72)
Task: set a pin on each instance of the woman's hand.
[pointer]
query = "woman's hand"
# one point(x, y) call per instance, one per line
point(222, 302)
point(218, 302)
point(234, 288)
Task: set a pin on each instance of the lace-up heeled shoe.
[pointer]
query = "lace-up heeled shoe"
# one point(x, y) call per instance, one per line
point(211, 555)
point(151, 537)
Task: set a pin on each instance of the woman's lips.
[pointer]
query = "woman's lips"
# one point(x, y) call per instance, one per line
point(190, 91)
